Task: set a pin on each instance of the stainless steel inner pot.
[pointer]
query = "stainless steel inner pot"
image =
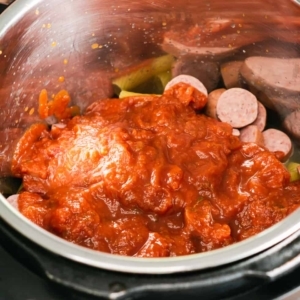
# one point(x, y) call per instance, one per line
point(37, 37)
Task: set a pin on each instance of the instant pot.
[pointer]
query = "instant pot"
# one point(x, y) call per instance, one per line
point(36, 37)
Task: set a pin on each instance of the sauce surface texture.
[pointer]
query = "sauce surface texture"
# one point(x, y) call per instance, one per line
point(149, 177)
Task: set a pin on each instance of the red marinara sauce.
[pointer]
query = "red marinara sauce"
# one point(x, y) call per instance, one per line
point(147, 176)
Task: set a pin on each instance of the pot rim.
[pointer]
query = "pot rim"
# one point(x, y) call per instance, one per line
point(169, 265)
point(193, 262)
point(14, 12)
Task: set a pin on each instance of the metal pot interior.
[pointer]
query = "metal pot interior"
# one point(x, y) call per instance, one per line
point(37, 37)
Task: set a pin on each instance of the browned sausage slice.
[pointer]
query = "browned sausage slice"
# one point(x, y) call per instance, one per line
point(238, 107)
point(277, 141)
point(230, 72)
point(194, 82)
point(212, 100)
point(261, 119)
point(252, 134)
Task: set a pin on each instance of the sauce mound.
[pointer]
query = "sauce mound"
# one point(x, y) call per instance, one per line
point(147, 176)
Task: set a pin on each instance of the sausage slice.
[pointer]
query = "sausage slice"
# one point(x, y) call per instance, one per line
point(274, 76)
point(238, 107)
point(277, 141)
point(252, 134)
point(261, 119)
point(230, 72)
point(194, 82)
point(212, 100)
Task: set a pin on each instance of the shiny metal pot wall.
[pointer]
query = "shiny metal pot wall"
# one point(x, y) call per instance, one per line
point(44, 43)
point(78, 45)
point(101, 35)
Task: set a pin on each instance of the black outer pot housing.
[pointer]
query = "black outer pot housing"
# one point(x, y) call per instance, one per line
point(234, 280)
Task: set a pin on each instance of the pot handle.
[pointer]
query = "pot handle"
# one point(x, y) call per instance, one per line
point(289, 265)
point(277, 261)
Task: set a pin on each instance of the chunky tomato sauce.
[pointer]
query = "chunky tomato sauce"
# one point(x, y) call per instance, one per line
point(149, 177)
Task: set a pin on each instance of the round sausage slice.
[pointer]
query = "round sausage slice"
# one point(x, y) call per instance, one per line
point(277, 141)
point(238, 107)
point(194, 82)
point(252, 134)
point(261, 119)
point(212, 100)
point(230, 72)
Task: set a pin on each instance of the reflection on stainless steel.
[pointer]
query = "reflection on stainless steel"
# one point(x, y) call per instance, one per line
point(79, 41)
point(88, 42)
